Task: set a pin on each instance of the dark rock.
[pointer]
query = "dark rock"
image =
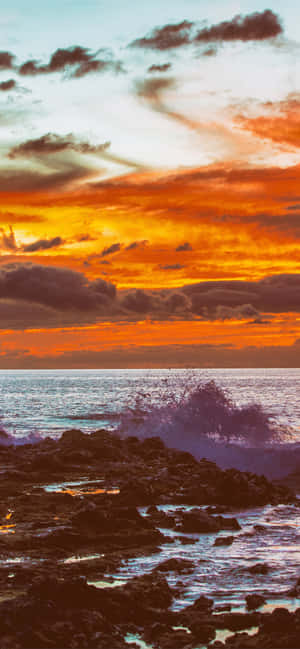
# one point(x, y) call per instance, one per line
point(259, 569)
point(202, 632)
point(254, 601)
point(174, 639)
point(224, 540)
point(198, 521)
point(237, 621)
point(175, 565)
point(280, 619)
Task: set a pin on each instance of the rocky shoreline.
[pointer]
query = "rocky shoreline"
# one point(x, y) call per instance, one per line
point(79, 497)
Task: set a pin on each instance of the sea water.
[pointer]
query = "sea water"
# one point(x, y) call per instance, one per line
point(47, 402)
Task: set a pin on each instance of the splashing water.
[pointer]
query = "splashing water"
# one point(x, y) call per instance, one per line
point(206, 422)
point(203, 412)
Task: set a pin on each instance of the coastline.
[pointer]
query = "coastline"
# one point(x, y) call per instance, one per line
point(75, 510)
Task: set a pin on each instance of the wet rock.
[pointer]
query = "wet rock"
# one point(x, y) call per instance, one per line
point(280, 619)
point(223, 608)
point(175, 565)
point(202, 632)
point(152, 588)
point(295, 591)
point(198, 521)
point(202, 606)
point(254, 601)
point(228, 523)
point(160, 518)
point(259, 569)
point(237, 621)
point(175, 639)
point(224, 540)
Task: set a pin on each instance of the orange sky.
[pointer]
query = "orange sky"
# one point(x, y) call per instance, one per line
point(180, 231)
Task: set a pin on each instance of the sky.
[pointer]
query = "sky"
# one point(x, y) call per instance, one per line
point(150, 184)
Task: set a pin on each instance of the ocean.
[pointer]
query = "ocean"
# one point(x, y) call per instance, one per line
point(47, 402)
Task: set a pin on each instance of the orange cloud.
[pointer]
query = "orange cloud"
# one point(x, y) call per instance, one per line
point(281, 123)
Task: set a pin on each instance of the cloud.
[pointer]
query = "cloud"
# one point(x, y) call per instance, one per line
point(137, 244)
point(6, 61)
point(184, 247)
point(152, 89)
point(258, 26)
point(115, 247)
point(58, 288)
point(294, 207)
point(163, 67)
point(15, 217)
point(8, 241)
point(171, 266)
point(272, 294)
point(72, 297)
point(288, 224)
point(139, 301)
point(43, 244)
point(281, 123)
point(51, 144)
point(57, 169)
point(21, 180)
point(157, 356)
point(75, 61)
point(10, 84)
point(166, 38)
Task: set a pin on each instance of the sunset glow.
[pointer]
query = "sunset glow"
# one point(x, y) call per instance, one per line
point(150, 175)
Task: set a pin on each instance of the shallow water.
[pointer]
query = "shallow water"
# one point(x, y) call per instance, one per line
point(221, 572)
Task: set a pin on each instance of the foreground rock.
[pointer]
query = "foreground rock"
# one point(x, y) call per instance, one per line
point(99, 518)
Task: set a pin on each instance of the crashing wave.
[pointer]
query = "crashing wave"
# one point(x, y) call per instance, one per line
point(207, 423)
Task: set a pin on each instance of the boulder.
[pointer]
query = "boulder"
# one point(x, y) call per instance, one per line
point(254, 601)
point(224, 540)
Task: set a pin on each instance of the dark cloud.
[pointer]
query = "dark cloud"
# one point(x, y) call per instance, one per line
point(43, 244)
point(8, 241)
point(140, 301)
point(288, 224)
point(59, 288)
point(177, 301)
point(21, 180)
point(152, 89)
point(166, 38)
point(272, 294)
point(75, 61)
point(171, 266)
point(6, 61)
point(51, 143)
point(85, 237)
point(184, 247)
point(64, 291)
point(244, 311)
point(294, 207)
point(258, 26)
point(115, 247)
point(137, 244)
point(163, 67)
point(10, 84)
